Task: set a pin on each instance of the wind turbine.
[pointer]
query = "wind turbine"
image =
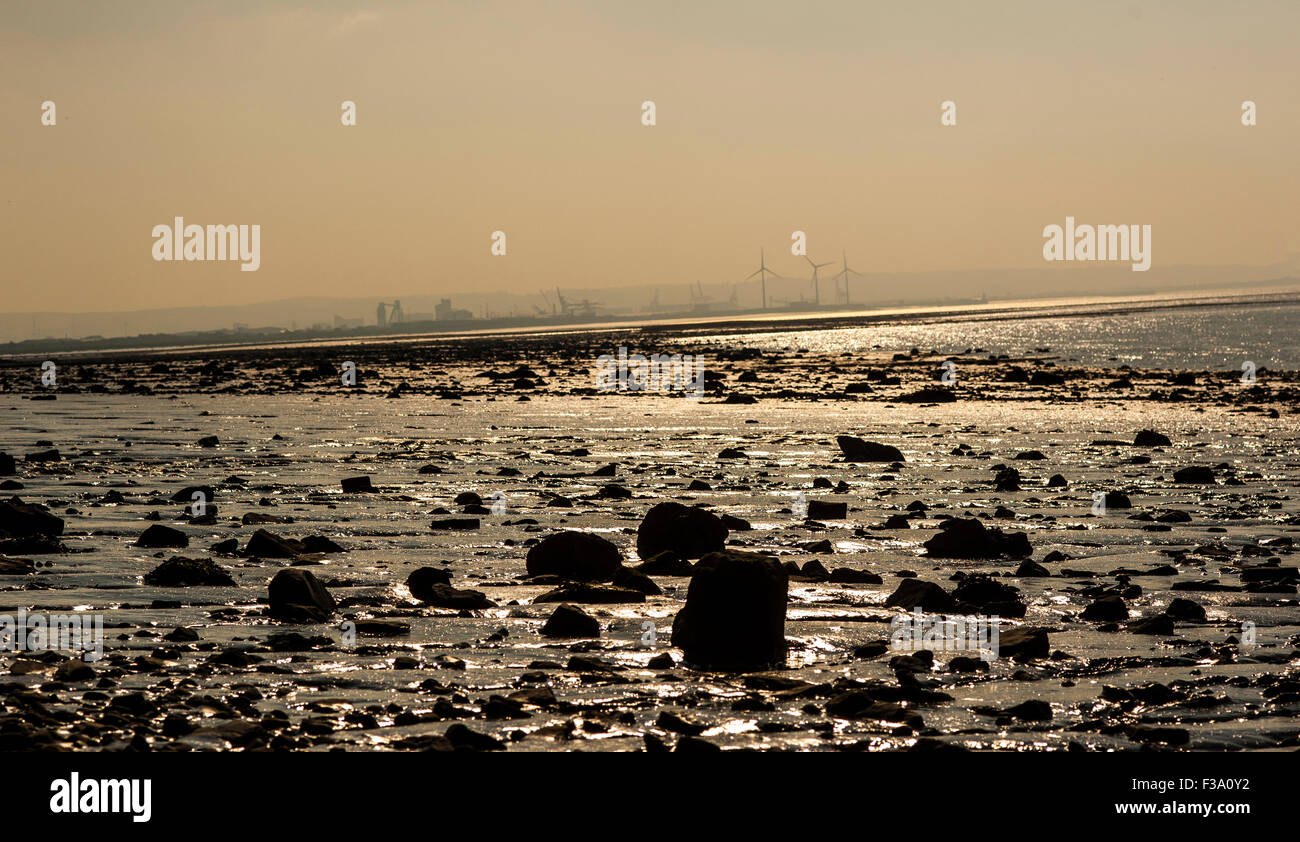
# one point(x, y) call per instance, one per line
point(844, 273)
point(817, 290)
point(763, 272)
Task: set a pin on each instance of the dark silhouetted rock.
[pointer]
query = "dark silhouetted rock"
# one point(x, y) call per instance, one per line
point(263, 544)
point(734, 616)
point(1031, 568)
point(1106, 609)
point(7, 465)
point(1023, 643)
point(455, 523)
point(297, 596)
point(981, 594)
point(859, 450)
point(914, 593)
point(1195, 475)
point(588, 592)
point(1186, 610)
point(180, 572)
point(158, 535)
point(583, 556)
point(1117, 500)
point(827, 510)
point(931, 394)
point(689, 531)
point(1150, 438)
point(21, 520)
point(357, 485)
point(422, 579)
point(666, 563)
point(571, 621)
point(968, 538)
point(16, 566)
point(446, 596)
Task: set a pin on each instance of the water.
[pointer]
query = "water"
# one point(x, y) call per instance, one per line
point(1197, 338)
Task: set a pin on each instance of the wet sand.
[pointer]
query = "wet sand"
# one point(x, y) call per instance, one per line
point(519, 423)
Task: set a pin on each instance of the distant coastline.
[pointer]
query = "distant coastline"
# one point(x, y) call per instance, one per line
point(746, 321)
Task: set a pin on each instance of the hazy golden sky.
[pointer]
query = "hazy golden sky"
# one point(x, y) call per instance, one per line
point(525, 117)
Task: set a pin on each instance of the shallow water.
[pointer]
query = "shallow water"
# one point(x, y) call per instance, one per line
point(659, 445)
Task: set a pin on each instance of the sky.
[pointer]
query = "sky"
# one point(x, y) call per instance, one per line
point(526, 118)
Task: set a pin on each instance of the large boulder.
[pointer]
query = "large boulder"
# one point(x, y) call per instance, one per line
point(968, 538)
point(689, 531)
point(583, 556)
point(7, 464)
point(859, 450)
point(734, 616)
point(449, 596)
point(422, 579)
point(21, 520)
point(298, 596)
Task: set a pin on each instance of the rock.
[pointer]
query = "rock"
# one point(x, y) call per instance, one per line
point(827, 510)
point(16, 566)
point(932, 394)
point(423, 578)
point(1186, 610)
point(181, 572)
point(969, 539)
point(679, 723)
point(1161, 624)
point(1029, 567)
point(455, 523)
point(981, 594)
point(186, 494)
point(849, 576)
point(230, 546)
point(1033, 710)
point(734, 616)
point(1156, 734)
point(1057, 481)
point(914, 593)
point(1117, 500)
point(158, 535)
point(1150, 438)
point(468, 498)
point(7, 465)
point(357, 485)
point(296, 594)
point(666, 563)
point(1195, 475)
point(446, 596)
point(263, 544)
point(571, 621)
point(45, 456)
point(209, 441)
point(1023, 643)
point(73, 670)
point(637, 581)
point(21, 520)
point(689, 531)
point(1107, 609)
point(858, 450)
point(591, 593)
point(463, 739)
point(897, 522)
point(320, 544)
point(582, 556)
